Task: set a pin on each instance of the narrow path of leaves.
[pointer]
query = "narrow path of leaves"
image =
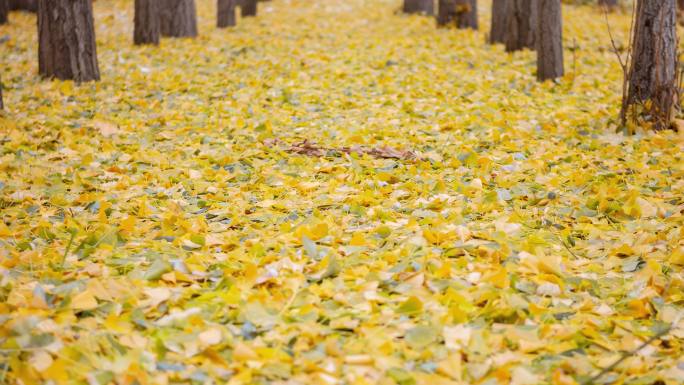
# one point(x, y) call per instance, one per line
point(170, 225)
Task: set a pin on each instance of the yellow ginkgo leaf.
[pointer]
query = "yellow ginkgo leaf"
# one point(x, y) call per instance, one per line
point(85, 300)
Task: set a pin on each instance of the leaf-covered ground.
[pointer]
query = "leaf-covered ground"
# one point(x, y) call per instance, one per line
point(447, 221)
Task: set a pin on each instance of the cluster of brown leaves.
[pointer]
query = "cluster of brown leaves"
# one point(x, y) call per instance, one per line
point(309, 148)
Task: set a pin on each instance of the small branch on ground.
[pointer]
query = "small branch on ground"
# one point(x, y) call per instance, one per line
point(310, 148)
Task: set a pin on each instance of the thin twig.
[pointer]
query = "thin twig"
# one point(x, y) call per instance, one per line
point(574, 59)
point(612, 41)
point(628, 354)
point(66, 252)
point(623, 65)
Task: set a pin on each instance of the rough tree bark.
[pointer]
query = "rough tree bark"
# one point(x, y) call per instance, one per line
point(521, 24)
point(549, 40)
point(497, 33)
point(147, 27)
point(248, 8)
point(66, 40)
point(419, 6)
point(462, 13)
point(226, 13)
point(652, 76)
point(24, 5)
point(4, 11)
point(178, 18)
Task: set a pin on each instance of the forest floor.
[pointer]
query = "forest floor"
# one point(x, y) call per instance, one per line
point(334, 193)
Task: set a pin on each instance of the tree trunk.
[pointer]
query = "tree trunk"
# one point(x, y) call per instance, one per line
point(226, 13)
point(680, 11)
point(445, 12)
point(4, 11)
point(462, 13)
point(248, 8)
point(497, 33)
point(652, 78)
point(24, 5)
point(467, 14)
point(2, 105)
point(147, 20)
point(426, 7)
point(66, 40)
point(521, 24)
point(610, 4)
point(549, 40)
point(178, 18)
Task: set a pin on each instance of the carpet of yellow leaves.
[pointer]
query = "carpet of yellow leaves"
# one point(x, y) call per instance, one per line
point(158, 227)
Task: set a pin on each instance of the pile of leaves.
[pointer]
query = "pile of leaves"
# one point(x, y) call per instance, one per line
point(334, 193)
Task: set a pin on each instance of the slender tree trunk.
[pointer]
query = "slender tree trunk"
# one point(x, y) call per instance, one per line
point(549, 40)
point(248, 8)
point(497, 33)
point(66, 40)
point(178, 18)
point(521, 24)
point(147, 19)
point(426, 7)
point(226, 13)
point(24, 5)
point(652, 74)
point(462, 13)
point(2, 105)
point(4, 11)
